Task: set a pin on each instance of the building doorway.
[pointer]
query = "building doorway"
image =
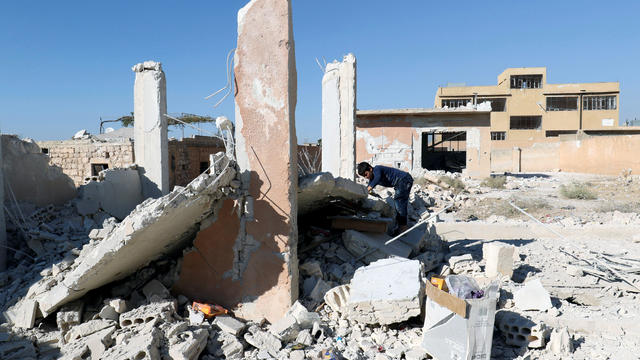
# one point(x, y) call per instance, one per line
point(444, 151)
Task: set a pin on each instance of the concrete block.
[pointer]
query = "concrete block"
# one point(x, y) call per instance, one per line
point(23, 313)
point(297, 355)
point(155, 289)
point(304, 337)
point(229, 324)
point(319, 290)
point(188, 344)
point(532, 296)
point(263, 340)
point(86, 329)
point(560, 342)
point(304, 318)
point(99, 342)
point(226, 344)
point(118, 305)
point(69, 315)
point(337, 297)
point(430, 259)
point(141, 346)
point(359, 244)
point(462, 264)
point(499, 259)
point(416, 238)
point(109, 313)
point(163, 311)
point(285, 329)
point(386, 291)
point(416, 353)
point(520, 331)
point(311, 268)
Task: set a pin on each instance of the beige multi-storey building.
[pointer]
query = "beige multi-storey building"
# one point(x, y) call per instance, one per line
point(526, 109)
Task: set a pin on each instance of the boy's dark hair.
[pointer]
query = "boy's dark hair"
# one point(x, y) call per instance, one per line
point(362, 167)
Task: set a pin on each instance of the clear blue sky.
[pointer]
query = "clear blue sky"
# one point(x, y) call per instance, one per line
point(65, 64)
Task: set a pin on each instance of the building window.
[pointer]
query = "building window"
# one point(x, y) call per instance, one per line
point(556, 133)
point(498, 135)
point(497, 104)
point(526, 81)
point(525, 122)
point(455, 103)
point(562, 103)
point(45, 150)
point(599, 102)
point(96, 168)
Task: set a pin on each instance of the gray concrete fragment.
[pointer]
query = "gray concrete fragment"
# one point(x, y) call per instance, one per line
point(285, 329)
point(462, 264)
point(337, 297)
point(560, 342)
point(142, 346)
point(99, 342)
point(359, 244)
point(229, 324)
point(17, 350)
point(532, 296)
point(386, 291)
point(118, 305)
point(304, 337)
point(69, 315)
point(316, 189)
point(430, 259)
point(155, 228)
point(303, 317)
point(23, 313)
point(155, 289)
point(520, 331)
point(263, 340)
point(499, 259)
point(319, 290)
point(188, 344)
point(109, 313)
point(86, 329)
point(161, 311)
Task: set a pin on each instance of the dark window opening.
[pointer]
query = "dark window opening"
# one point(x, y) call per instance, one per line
point(498, 135)
point(556, 133)
point(455, 103)
point(562, 103)
point(204, 166)
point(525, 122)
point(45, 150)
point(444, 151)
point(96, 168)
point(526, 81)
point(599, 102)
point(497, 104)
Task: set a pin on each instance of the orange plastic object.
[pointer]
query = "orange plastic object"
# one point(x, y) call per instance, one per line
point(209, 310)
point(438, 282)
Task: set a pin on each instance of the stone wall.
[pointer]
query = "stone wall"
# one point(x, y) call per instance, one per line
point(189, 156)
point(76, 157)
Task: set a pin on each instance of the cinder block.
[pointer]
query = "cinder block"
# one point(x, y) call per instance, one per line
point(499, 259)
point(520, 331)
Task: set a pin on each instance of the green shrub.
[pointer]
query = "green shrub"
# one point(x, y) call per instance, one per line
point(455, 183)
point(495, 182)
point(577, 191)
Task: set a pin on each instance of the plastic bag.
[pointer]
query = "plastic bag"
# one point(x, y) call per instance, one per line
point(463, 287)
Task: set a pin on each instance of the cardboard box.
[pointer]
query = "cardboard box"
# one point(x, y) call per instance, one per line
point(457, 329)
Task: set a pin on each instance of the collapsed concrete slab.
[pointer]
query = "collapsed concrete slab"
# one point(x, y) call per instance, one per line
point(249, 256)
point(532, 296)
point(314, 189)
point(386, 291)
point(155, 228)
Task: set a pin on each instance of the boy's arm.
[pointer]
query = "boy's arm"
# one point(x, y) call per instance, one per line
point(376, 178)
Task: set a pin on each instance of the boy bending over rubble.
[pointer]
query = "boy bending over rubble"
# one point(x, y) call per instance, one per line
point(390, 177)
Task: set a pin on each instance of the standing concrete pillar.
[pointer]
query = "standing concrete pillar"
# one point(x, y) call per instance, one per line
point(151, 147)
point(248, 256)
point(338, 118)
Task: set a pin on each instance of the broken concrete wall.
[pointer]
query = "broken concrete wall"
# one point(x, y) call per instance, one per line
point(394, 137)
point(248, 256)
point(30, 177)
point(77, 157)
point(338, 117)
point(155, 228)
point(117, 194)
point(606, 155)
point(150, 128)
point(188, 157)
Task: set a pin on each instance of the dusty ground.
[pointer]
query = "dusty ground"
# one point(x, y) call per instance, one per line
point(601, 315)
